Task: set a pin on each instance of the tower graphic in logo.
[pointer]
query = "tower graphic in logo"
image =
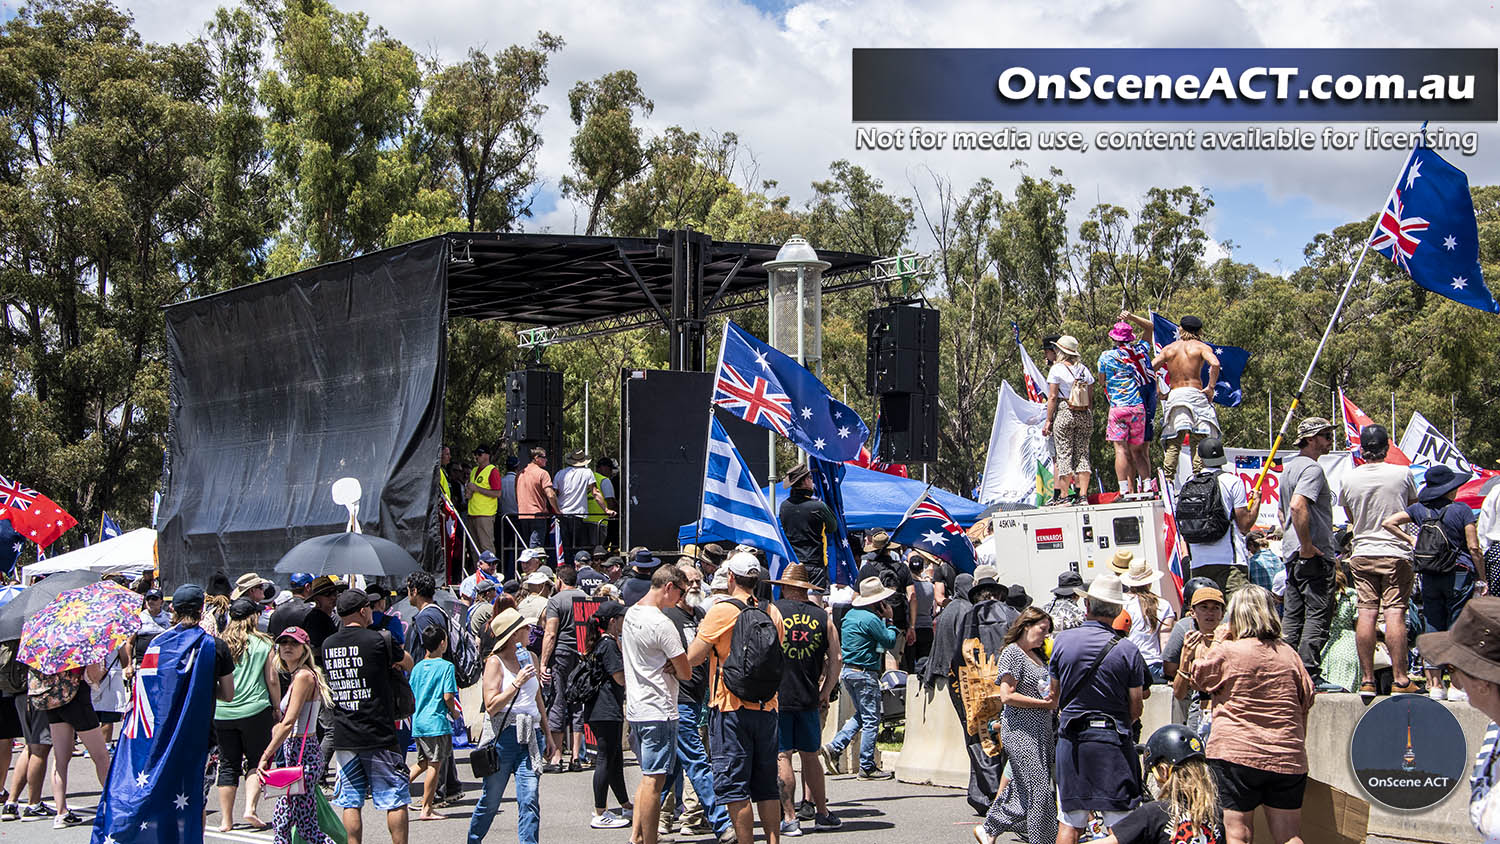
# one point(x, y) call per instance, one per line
point(1409, 758)
point(1399, 777)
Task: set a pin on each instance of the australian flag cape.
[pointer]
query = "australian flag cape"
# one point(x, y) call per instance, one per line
point(155, 789)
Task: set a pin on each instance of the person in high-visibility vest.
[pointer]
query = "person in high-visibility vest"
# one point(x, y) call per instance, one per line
point(484, 499)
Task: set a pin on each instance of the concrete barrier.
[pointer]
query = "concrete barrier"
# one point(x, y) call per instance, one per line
point(933, 752)
point(1329, 727)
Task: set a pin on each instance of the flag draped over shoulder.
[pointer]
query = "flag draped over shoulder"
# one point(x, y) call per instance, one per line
point(828, 479)
point(764, 387)
point(155, 789)
point(928, 527)
point(734, 508)
point(1428, 229)
point(1232, 361)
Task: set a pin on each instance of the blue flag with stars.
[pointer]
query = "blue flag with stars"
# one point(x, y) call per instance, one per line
point(11, 543)
point(1232, 361)
point(828, 483)
point(107, 528)
point(928, 527)
point(765, 387)
point(1428, 229)
point(155, 789)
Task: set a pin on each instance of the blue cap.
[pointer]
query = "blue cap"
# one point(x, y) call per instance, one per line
point(301, 578)
point(187, 595)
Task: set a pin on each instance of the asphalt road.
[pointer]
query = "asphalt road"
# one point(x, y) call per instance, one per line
point(886, 812)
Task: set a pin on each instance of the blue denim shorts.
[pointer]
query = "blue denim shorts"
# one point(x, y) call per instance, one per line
point(799, 732)
point(657, 745)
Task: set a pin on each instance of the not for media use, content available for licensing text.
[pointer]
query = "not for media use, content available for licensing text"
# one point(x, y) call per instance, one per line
point(1011, 139)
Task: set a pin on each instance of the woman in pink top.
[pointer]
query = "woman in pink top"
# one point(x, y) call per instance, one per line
point(1257, 746)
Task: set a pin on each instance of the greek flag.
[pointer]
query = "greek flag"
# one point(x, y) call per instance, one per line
point(734, 508)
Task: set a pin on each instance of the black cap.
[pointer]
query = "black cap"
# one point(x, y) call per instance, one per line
point(153, 593)
point(350, 601)
point(1191, 323)
point(512, 462)
point(1211, 452)
point(243, 608)
point(1193, 585)
point(1050, 341)
point(583, 557)
point(481, 449)
point(1374, 439)
point(377, 593)
point(609, 610)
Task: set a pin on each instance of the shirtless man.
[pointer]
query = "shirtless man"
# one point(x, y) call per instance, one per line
point(1189, 408)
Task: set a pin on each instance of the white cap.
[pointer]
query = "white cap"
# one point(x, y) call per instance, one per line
point(538, 578)
point(466, 587)
point(743, 564)
point(720, 582)
point(530, 554)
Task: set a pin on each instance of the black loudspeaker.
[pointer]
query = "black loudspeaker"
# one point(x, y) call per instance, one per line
point(908, 428)
point(901, 352)
point(663, 440)
point(533, 405)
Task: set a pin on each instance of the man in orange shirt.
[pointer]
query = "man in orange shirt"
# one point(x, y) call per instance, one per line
point(741, 734)
point(536, 500)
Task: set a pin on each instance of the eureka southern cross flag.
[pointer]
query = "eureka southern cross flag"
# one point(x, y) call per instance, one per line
point(155, 789)
point(765, 387)
point(1428, 229)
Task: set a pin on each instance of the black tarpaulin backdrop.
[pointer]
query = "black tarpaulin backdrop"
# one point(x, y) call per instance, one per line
point(281, 388)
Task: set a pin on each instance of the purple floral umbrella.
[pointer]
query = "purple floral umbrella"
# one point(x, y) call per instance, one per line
point(80, 627)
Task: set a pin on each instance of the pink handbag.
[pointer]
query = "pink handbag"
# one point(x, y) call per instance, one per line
point(289, 781)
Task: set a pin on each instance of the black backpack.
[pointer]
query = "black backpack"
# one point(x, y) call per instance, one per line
point(754, 665)
point(1201, 515)
point(12, 670)
point(1434, 554)
point(587, 679)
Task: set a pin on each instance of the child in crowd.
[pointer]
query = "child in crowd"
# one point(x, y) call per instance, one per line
point(1187, 805)
point(435, 686)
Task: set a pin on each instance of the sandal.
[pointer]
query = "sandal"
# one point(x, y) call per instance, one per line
point(1367, 690)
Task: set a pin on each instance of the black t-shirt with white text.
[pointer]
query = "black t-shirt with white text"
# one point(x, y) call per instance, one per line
point(694, 691)
point(358, 664)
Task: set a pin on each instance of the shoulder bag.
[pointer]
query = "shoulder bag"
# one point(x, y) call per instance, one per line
point(286, 782)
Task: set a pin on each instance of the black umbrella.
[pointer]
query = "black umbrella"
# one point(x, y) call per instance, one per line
point(348, 553)
point(31, 601)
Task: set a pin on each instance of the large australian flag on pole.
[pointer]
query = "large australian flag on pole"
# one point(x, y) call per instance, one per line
point(155, 789)
point(1428, 229)
point(765, 387)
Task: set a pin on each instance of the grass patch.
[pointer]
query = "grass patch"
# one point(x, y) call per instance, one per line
point(891, 739)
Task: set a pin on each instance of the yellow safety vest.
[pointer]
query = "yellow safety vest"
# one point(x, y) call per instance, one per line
point(596, 513)
point(482, 505)
point(443, 485)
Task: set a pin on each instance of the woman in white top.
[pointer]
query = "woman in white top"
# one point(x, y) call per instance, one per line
point(1070, 421)
point(513, 724)
point(1151, 617)
point(295, 735)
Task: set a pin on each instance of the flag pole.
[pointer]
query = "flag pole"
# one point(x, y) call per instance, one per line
point(1338, 309)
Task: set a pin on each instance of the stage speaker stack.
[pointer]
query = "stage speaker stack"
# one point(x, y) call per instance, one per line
point(533, 413)
point(901, 368)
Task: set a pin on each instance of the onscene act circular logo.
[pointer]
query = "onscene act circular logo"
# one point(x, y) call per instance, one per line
point(1408, 752)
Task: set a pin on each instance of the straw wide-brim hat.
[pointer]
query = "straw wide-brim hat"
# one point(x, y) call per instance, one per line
point(1068, 345)
point(505, 624)
point(1121, 562)
point(872, 591)
point(1140, 573)
point(795, 576)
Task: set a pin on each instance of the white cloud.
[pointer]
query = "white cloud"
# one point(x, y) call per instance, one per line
point(782, 82)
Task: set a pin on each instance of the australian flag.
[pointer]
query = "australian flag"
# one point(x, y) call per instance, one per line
point(1232, 361)
point(155, 789)
point(765, 387)
point(1428, 229)
point(928, 527)
point(734, 508)
point(11, 543)
point(828, 483)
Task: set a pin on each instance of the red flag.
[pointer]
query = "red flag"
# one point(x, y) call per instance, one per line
point(451, 544)
point(866, 460)
point(35, 516)
point(1355, 421)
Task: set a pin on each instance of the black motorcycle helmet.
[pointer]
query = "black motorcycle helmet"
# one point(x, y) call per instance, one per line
point(1194, 585)
point(1172, 744)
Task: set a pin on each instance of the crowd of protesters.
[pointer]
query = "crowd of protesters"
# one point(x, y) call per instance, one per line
point(684, 662)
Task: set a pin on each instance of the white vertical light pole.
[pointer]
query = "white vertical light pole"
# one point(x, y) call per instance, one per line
point(585, 417)
point(795, 279)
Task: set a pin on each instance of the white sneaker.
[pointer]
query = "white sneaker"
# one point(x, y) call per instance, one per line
point(1458, 696)
point(1437, 693)
point(791, 828)
point(608, 820)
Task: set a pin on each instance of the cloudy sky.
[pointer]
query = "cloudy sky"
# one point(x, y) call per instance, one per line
point(777, 72)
